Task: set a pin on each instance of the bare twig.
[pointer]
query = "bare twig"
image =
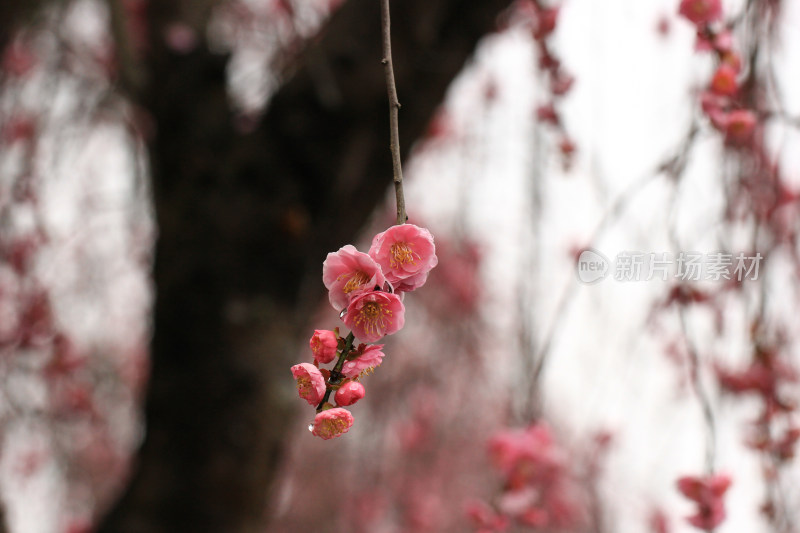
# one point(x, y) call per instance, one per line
point(336, 375)
point(394, 107)
point(701, 393)
point(672, 166)
point(692, 351)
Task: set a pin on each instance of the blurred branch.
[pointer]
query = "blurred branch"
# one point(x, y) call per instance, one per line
point(700, 392)
point(673, 166)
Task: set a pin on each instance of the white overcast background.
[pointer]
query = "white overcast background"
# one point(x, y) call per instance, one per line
point(630, 107)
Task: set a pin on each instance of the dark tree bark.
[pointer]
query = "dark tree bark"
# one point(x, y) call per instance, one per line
point(244, 224)
point(13, 15)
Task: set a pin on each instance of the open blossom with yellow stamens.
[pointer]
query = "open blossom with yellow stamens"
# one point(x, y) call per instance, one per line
point(349, 273)
point(402, 255)
point(332, 423)
point(369, 360)
point(374, 314)
point(406, 254)
point(310, 383)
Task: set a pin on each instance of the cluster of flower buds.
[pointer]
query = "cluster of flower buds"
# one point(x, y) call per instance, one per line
point(367, 289)
point(771, 378)
point(707, 492)
point(721, 100)
point(538, 490)
point(765, 376)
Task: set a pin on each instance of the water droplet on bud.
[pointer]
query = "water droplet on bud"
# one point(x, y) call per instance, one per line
point(311, 427)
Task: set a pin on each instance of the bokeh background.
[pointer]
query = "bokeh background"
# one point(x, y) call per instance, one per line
point(172, 175)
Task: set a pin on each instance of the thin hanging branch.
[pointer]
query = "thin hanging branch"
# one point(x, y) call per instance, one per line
point(394, 108)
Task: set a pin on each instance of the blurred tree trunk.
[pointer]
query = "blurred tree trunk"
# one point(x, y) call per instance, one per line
point(245, 221)
point(14, 14)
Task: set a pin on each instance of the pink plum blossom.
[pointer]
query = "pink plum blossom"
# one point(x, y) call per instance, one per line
point(323, 345)
point(547, 113)
point(508, 447)
point(349, 393)
point(562, 83)
point(406, 254)
point(545, 23)
point(310, 383)
point(483, 516)
point(701, 12)
point(763, 376)
point(707, 492)
point(724, 81)
point(366, 362)
point(517, 502)
point(723, 42)
point(348, 273)
point(332, 422)
point(739, 125)
point(374, 314)
point(703, 488)
point(523, 453)
point(537, 486)
point(713, 105)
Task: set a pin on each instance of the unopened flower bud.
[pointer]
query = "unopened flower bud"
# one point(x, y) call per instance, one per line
point(349, 393)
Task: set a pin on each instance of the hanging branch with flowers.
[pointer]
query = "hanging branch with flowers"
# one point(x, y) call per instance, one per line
point(367, 290)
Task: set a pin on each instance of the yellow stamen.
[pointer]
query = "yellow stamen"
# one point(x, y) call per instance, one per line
point(357, 281)
point(368, 371)
point(332, 427)
point(303, 384)
point(373, 315)
point(401, 254)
